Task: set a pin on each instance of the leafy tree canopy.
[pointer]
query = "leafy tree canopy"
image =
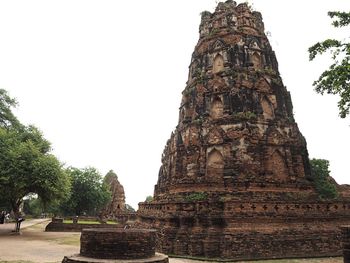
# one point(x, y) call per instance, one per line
point(33, 206)
point(7, 118)
point(335, 80)
point(325, 187)
point(149, 198)
point(88, 194)
point(26, 165)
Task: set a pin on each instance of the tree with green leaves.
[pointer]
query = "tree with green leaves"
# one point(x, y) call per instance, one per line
point(149, 198)
point(26, 164)
point(336, 79)
point(7, 118)
point(33, 206)
point(324, 183)
point(27, 167)
point(88, 194)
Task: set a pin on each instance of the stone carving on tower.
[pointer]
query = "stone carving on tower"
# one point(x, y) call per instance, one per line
point(236, 168)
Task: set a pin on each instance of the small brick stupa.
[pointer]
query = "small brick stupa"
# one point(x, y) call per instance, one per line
point(117, 204)
point(235, 177)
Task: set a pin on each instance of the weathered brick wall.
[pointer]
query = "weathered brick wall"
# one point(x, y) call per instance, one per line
point(290, 242)
point(345, 230)
point(242, 230)
point(62, 227)
point(242, 210)
point(118, 243)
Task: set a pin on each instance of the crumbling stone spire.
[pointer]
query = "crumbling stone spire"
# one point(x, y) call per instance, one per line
point(236, 122)
point(235, 178)
point(117, 204)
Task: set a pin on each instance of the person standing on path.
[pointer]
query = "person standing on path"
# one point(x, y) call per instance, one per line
point(19, 220)
point(2, 217)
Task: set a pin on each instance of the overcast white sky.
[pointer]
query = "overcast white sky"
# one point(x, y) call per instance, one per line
point(103, 79)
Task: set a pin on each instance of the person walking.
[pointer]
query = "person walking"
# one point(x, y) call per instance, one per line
point(19, 220)
point(2, 217)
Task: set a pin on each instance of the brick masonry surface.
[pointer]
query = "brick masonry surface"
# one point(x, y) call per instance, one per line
point(117, 245)
point(345, 230)
point(235, 180)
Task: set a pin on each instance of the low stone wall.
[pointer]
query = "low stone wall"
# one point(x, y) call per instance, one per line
point(87, 218)
point(117, 243)
point(293, 242)
point(125, 217)
point(63, 227)
point(119, 218)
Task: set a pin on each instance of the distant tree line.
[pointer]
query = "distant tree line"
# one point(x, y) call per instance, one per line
point(87, 195)
point(30, 173)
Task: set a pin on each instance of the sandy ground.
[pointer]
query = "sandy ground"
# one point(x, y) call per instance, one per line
point(35, 245)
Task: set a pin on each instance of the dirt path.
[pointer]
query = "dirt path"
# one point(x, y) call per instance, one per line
point(35, 245)
point(8, 227)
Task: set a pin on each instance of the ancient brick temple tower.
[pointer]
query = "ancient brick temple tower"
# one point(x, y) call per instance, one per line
point(235, 178)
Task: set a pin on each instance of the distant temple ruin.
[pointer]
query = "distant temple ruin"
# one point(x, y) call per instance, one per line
point(117, 204)
point(235, 179)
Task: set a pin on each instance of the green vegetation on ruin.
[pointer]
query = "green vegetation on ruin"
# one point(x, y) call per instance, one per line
point(200, 196)
point(323, 182)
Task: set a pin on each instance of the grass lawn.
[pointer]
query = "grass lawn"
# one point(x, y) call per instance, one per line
point(68, 221)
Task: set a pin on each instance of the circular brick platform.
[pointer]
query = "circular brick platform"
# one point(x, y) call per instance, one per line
point(117, 245)
point(157, 258)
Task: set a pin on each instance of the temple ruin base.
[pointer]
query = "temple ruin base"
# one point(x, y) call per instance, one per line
point(247, 231)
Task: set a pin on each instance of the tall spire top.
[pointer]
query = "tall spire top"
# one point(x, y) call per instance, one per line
point(230, 18)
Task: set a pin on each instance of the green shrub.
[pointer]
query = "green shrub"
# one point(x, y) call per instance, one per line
point(200, 196)
point(149, 198)
point(320, 175)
